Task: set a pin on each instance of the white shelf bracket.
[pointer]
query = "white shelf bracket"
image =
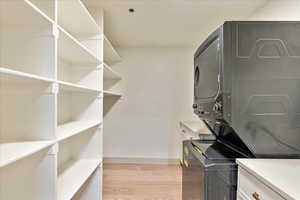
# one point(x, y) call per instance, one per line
point(99, 67)
point(100, 127)
point(100, 96)
point(54, 150)
point(55, 31)
point(53, 89)
point(100, 165)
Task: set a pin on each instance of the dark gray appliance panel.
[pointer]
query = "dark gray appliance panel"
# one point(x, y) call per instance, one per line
point(266, 87)
point(207, 179)
point(192, 174)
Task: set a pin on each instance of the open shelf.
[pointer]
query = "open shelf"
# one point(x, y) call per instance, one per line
point(70, 87)
point(74, 174)
point(110, 79)
point(26, 114)
point(78, 157)
point(26, 33)
point(78, 109)
point(12, 152)
point(111, 56)
point(112, 94)
point(109, 73)
point(16, 76)
point(80, 76)
point(30, 178)
point(87, 191)
point(74, 17)
point(70, 129)
point(71, 50)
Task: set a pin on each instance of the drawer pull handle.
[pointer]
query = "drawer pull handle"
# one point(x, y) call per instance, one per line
point(198, 149)
point(186, 163)
point(256, 196)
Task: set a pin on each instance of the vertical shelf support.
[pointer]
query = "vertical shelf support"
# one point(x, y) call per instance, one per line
point(54, 149)
point(53, 89)
point(55, 31)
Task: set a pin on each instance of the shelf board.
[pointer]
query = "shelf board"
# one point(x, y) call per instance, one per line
point(17, 76)
point(71, 50)
point(70, 129)
point(71, 87)
point(111, 56)
point(109, 73)
point(111, 94)
point(75, 17)
point(73, 176)
point(12, 152)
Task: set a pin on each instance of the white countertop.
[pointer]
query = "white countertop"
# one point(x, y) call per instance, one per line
point(195, 126)
point(283, 176)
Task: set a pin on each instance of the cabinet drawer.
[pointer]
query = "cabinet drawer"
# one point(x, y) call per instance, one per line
point(253, 189)
point(241, 196)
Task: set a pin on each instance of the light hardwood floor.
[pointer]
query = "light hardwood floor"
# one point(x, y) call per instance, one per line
point(141, 182)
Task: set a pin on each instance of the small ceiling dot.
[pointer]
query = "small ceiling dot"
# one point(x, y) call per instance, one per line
point(131, 10)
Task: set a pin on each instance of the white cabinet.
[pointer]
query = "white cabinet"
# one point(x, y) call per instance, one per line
point(52, 76)
point(252, 188)
point(268, 179)
point(189, 130)
point(241, 196)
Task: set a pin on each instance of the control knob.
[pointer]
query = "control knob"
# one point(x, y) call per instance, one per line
point(217, 107)
point(195, 106)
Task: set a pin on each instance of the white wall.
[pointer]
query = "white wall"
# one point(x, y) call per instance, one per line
point(158, 89)
point(279, 10)
point(158, 92)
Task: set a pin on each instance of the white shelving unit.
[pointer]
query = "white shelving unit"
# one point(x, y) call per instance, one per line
point(77, 161)
point(74, 176)
point(111, 56)
point(84, 25)
point(71, 87)
point(73, 128)
point(112, 94)
point(12, 152)
point(7, 74)
point(110, 74)
point(110, 77)
point(51, 100)
point(70, 49)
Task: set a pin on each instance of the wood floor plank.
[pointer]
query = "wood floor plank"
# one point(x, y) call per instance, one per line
point(141, 182)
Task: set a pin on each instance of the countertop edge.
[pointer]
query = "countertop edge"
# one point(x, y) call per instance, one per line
point(241, 163)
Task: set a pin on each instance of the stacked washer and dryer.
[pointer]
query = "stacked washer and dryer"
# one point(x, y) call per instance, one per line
point(247, 92)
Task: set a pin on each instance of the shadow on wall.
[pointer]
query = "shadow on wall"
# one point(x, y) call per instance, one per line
point(109, 102)
point(278, 10)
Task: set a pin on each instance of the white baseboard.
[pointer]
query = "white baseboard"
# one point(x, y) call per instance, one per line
point(161, 161)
